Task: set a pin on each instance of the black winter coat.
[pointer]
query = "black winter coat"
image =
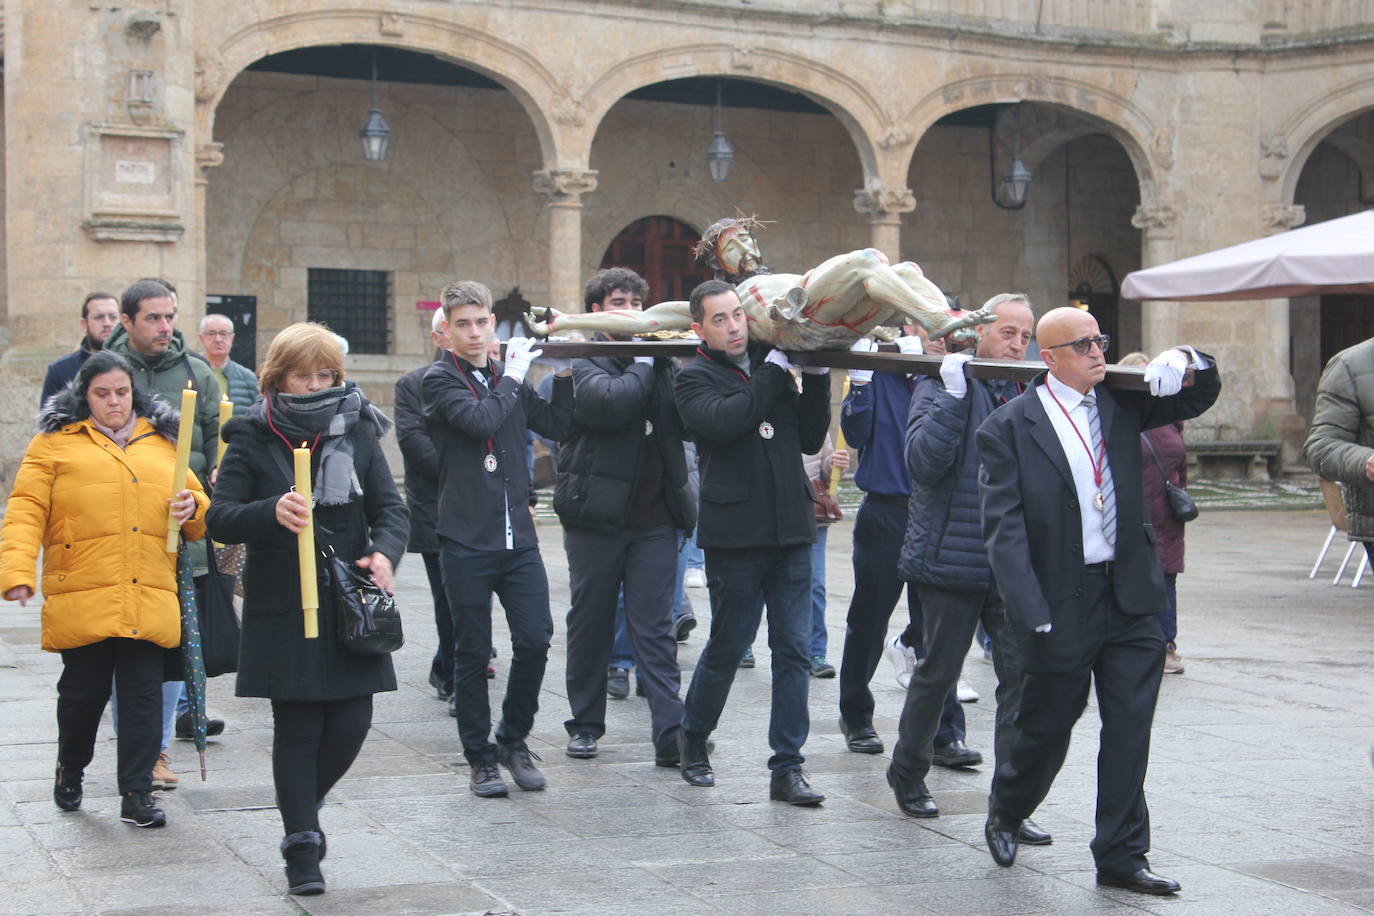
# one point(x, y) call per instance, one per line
point(944, 529)
point(615, 401)
point(463, 416)
point(751, 433)
point(421, 462)
point(275, 658)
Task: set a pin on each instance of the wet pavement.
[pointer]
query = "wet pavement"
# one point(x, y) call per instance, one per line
point(1260, 787)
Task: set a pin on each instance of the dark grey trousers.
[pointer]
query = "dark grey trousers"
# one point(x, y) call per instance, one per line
point(644, 563)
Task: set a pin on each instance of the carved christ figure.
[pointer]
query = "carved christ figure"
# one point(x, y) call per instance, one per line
point(849, 296)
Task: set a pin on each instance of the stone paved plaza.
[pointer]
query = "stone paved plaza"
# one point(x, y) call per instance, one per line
point(1260, 785)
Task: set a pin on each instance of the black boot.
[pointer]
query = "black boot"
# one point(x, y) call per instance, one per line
point(66, 789)
point(695, 760)
point(302, 854)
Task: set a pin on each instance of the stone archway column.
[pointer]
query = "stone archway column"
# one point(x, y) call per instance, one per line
point(884, 207)
point(1158, 319)
point(565, 188)
point(208, 156)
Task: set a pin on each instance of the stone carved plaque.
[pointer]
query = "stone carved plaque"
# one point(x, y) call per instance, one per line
point(133, 184)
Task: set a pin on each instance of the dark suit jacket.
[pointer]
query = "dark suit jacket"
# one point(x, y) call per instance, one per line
point(421, 461)
point(1032, 524)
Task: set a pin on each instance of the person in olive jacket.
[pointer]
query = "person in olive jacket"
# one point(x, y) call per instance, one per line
point(321, 693)
point(622, 497)
point(757, 524)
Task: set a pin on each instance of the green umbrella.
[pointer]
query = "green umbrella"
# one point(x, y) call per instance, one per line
point(192, 660)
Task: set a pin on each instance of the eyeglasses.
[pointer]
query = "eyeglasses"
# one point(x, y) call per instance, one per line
point(216, 333)
point(1084, 345)
point(324, 376)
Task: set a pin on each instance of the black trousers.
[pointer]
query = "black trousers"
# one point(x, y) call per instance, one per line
point(879, 529)
point(518, 579)
point(314, 742)
point(135, 666)
point(442, 665)
point(951, 617)
point(644, 563)
point(1125, 660)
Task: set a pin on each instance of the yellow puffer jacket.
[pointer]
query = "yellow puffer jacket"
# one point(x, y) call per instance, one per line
point(100, 515)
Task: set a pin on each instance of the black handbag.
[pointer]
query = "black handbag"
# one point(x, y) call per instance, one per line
point(219, 624)
point(1181, 505)
point(369, 623)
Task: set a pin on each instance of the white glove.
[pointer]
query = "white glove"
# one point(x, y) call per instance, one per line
point(862, 345)
point(519, 355)
point(952, 373)
point(645, 360)
point(1165, 373)
point(779, 359)
point(911, 346)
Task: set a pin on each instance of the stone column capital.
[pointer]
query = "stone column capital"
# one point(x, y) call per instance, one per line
point(1280, 217)
point(879, 202)
point(565, 187)
point(210, 155)
point(1158, 221)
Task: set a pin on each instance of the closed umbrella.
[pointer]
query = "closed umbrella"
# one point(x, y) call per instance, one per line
point(1327, 258)
point(192, 659)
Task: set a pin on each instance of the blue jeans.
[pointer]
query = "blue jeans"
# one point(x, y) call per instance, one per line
point(818, 637)
point(736, 578)
point(1168, 616)
point(696, 559)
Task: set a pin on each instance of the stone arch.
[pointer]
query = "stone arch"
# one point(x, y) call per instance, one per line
point(1309, 125)
point(1150, 149)
point(845, 97)
point(515, 68)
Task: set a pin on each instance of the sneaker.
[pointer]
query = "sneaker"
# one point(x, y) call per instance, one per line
point(820, 667)
point(66, 789)
point(186, 730)
point(966, 693)
point(694, 578)
point(748, 660)
point(486, 781)
point(137, 808)
point(519, 759)
point(903, 660)
point(684, 625)
point(617, 683)
point(163, 777)
point(1173, 662)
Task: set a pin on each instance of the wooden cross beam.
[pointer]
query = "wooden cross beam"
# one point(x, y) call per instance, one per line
point(887, 359)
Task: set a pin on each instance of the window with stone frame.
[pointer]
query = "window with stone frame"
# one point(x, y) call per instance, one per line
point(353, 303)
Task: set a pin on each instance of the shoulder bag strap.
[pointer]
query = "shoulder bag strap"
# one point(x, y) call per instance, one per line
point(1155, 455)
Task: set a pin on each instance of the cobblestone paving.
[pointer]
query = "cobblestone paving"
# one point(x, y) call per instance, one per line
point(1260, 789)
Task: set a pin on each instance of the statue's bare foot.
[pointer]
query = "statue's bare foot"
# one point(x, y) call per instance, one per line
point(541, 319)
point(981, 316)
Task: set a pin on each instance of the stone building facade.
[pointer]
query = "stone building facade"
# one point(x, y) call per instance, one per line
point(138, 141)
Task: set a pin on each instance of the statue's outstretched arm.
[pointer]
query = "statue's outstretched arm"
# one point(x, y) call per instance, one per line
point(666, 316)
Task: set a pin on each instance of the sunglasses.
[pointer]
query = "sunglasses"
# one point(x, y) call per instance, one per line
point(1084, 345)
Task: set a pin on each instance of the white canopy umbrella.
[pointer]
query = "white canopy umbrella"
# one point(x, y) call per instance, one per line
point(1336, 256)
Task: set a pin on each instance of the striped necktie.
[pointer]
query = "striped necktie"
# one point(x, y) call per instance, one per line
point(1107, 489)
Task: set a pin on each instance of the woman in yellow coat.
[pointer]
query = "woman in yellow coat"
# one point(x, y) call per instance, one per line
point(93, 492)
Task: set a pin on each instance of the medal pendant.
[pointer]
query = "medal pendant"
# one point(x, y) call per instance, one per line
point(766, 429)
point(1098, 501)
point(489, 463)
point(648, 427)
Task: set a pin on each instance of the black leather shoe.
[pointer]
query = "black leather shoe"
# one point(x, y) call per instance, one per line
point(1001, 836)
point(913, 799)
point(66, 789)
point(695, 761)
point(790, 786)
point(684, 625)
point(1031, 835)
point(955, 754)
point(519, 759)
point(582, 746)
point(861, 739)
point(186, 731)
point(486, 781)
point(670, 755)
point(1142, 881)
point(444, 689)
point(618, 683)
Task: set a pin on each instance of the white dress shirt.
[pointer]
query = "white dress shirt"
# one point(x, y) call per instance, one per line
point(1095, 546)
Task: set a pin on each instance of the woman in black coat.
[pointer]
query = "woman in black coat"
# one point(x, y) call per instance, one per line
point(321, 693)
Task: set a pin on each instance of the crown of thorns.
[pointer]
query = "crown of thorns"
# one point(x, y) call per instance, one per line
point(751, 223)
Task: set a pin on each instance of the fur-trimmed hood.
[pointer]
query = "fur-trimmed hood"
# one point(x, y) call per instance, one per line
point(66, 407)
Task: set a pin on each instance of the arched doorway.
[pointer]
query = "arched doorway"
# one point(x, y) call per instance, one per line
point(659, 249)
point(1092, 286)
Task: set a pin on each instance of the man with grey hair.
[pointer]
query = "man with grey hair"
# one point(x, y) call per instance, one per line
point(944, 556)
point(236, 381)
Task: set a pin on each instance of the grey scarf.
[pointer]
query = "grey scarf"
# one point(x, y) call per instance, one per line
point(330, 415)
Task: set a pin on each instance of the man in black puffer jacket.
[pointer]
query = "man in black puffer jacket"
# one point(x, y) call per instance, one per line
point(622, 497)
point(944, 555)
